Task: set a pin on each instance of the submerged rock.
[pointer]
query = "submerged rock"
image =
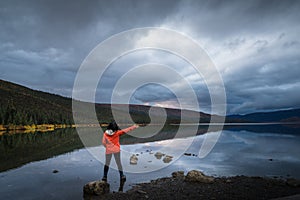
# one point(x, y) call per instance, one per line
point(167, 159)
point(133, 159)
point(96, 188)
point(159, 155)
point(197, 176)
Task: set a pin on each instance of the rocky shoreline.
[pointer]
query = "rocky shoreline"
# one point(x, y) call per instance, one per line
point(196, 185)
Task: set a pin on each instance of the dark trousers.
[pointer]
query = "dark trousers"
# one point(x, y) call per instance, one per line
point(118, 161)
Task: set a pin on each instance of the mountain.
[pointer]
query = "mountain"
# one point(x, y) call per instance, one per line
point(292, 115)
point(20, 105)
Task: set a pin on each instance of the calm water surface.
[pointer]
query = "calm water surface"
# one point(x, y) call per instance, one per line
point(28, 161)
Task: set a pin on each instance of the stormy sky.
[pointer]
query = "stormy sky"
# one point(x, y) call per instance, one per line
point(255, 46)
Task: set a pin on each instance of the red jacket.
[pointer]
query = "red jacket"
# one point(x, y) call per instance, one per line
point(111, 142)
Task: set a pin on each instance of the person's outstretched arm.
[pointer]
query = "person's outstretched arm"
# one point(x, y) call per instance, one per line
point(126, 130)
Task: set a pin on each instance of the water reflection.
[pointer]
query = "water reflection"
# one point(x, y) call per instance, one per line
point(238, 152)
point(248, 153)
point(121, 186)
point(21, 148)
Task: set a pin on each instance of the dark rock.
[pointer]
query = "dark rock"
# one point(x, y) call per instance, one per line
point(241, 187)
point(293, 182)
point(141, 192)
point(55, 171)
point(228, 181)
point(96, 188)
point(197, 176)
point(178, 174)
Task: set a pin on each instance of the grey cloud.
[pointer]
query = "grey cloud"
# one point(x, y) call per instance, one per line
point(223, 19)
point(255, 45)
point(56, 23)
point(73, 28)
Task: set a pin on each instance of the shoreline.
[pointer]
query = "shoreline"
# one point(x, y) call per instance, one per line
point(184, 187)
point(11, 129)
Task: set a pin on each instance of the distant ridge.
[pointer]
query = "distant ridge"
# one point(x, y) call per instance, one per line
point(292, 115)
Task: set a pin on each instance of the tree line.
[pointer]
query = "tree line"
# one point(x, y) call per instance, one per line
point(9, 114)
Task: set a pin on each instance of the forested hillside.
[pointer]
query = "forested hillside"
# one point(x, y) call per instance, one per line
point(20, 105)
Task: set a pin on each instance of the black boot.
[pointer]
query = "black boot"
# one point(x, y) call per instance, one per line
point(104, 178)
point(122, 176)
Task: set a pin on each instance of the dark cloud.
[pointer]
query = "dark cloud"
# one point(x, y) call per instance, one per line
point(254, 44)
point(219, 20)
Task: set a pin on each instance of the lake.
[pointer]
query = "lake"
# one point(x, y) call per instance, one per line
point(28, 160)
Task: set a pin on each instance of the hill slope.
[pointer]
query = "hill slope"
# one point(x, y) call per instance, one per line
point(23, 106)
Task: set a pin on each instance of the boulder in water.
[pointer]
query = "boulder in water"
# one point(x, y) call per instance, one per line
point(133, 159)
point(96, 188)
point(178, 175)
point(197, 176)
point(159, 155)
point(167, 159)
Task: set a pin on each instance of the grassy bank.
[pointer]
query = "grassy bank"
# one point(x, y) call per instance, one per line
point(32, 128)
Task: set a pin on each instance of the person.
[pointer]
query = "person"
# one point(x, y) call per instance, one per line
point(111, 142)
